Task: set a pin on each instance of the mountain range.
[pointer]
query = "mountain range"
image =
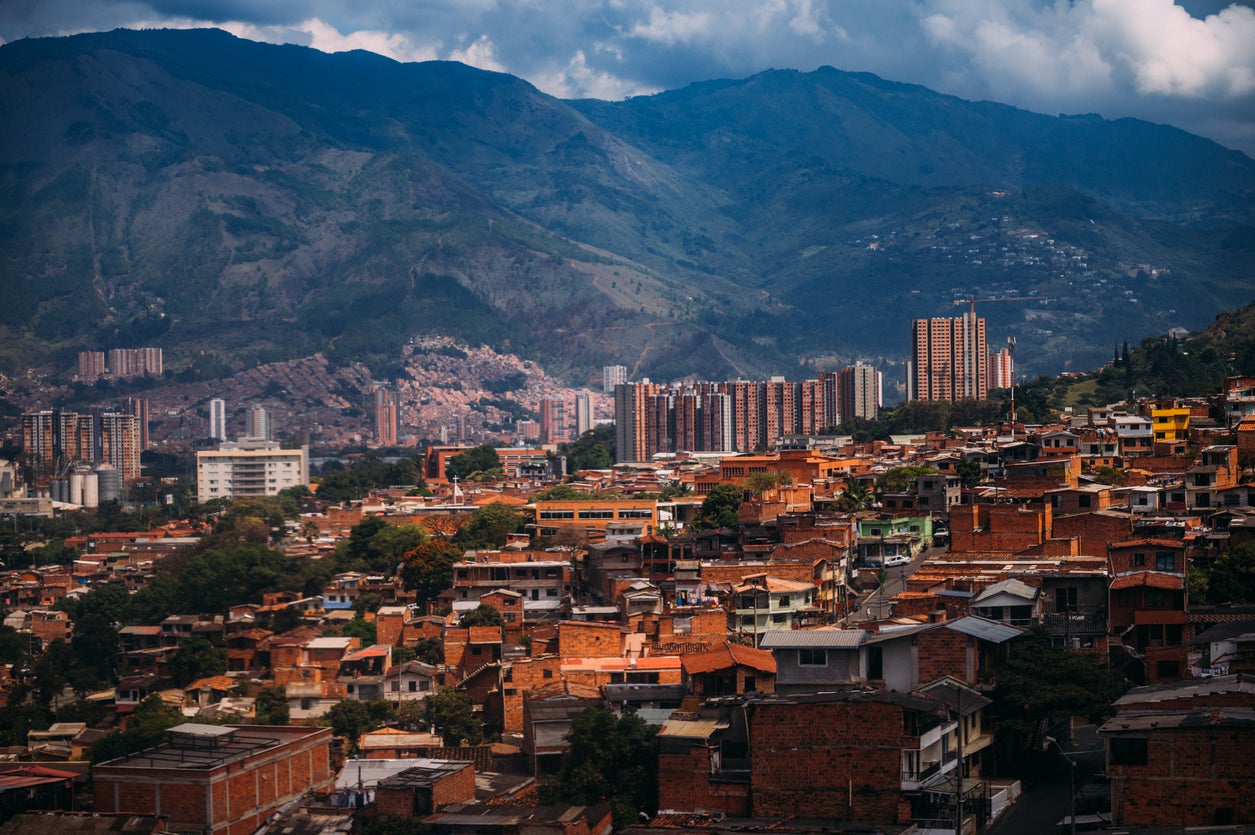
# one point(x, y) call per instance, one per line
point(238, 202)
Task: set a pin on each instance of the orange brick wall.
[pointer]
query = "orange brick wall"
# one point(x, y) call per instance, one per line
point(684, 785)
point(589, 640)
point(1189, 775)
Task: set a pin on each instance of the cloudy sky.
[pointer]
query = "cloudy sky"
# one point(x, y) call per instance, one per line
point(1189, 63)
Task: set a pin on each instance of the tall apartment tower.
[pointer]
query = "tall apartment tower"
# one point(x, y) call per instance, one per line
point(631, 419)
point(138, 406)
point(218, 419)
point(554, 424)
point(91, 365)
point(120, 443)
point(259, 425)
point(386, 416)
point(949, 359)
point(611, 376)
point(860, 392)
point(583, 414)
point(1001, 369)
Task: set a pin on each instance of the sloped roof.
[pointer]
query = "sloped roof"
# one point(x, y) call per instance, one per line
point(1016, 588)
point(812, 638)
point(1150, 579)
point(726, 656)
point(986, 630)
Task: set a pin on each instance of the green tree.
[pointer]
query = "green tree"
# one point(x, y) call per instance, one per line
point(483, 615)
point(95, 643)
point(721, 507)
point(1231, 579)
point(365, 631)
point(1042, 682)
point(350, 719)
point(428, 569)
point(759, 483)
point(900, 479)
point(594, 450)
point(271, 706)
point(489, 526)
point(608, 758)
point(854, 498)
point(147, 727)
point(197, 658)
point(475, 460)
point(451, 714)
point(969, 472)
point(429, 651)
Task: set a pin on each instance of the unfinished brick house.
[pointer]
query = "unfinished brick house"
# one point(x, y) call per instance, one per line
point(217, 778)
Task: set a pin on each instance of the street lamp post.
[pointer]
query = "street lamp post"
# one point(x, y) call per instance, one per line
point(1050, 740)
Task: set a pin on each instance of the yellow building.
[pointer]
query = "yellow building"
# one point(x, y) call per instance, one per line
point(1170, 424)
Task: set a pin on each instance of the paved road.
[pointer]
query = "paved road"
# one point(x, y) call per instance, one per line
point(876, 605)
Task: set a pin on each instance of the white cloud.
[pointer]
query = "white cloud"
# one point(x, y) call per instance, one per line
point(577, 80)
point(672, 28)
point(480, 54)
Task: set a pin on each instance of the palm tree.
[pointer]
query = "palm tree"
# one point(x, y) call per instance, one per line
point(854, 498)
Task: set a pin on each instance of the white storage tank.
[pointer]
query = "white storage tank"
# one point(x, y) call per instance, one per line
point(76, 487)
point(109, 480)
point(91, 490)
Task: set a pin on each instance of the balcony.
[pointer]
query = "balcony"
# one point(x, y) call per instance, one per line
point(1062, 624)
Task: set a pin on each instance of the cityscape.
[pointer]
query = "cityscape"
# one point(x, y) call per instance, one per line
point(631, 418)
point(718, 567)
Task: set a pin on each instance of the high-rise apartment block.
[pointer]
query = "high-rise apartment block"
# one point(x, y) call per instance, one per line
point(91, 365)
point(120, 443)
point(387, 416)
point(53, 438)
point(949, 359)
point(611, 376)
point(1001, 369)
point(860, 390)
point(218, 419)
point(555, 424)
point(583, 414)
point(138, 406)
point(259, 425)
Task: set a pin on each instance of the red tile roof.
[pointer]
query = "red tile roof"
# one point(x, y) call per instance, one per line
point(1150, 579)
point(727, 656)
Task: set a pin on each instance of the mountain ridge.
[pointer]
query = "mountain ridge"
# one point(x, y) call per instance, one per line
point(346, 202)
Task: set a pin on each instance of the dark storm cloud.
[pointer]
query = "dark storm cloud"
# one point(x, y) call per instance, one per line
point(1191, 65)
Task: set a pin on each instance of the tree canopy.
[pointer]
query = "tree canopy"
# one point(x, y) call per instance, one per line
point(449, 712)
point(475, 460)
point(594, 450)
point(721, 507)
point(608, 759)
point(489, 525)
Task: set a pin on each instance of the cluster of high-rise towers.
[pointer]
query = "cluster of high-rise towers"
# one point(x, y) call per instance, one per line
point(950, 360)
point(738, 415)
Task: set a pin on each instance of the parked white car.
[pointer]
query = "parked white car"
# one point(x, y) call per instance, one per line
point(900, 559)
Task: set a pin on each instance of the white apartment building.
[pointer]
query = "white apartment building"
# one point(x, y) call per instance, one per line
point(249, 469)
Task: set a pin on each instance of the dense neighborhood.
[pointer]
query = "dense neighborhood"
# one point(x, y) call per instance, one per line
point(890, 636)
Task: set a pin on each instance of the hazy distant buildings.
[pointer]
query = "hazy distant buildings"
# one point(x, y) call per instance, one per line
point(249, 468)
point(1001, 369)
point(120, 362)
point(554, 425)
point(583, 414)
point(611, 376)
point(138, 406)
point(259, 425)
point(218, 419)
point(949, 359)
point(860, 390)
point(387, 417)
point(738, 415)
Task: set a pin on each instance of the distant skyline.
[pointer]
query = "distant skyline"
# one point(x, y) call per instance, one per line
point(1189, 64)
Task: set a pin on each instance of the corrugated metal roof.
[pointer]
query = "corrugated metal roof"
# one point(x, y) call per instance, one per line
point(689, 728)
point(986, 630)
point(816, 638)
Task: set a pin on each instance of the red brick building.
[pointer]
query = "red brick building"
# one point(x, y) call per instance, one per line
point(217, 779)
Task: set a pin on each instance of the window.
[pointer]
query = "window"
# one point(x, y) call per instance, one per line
point(809, 657)
point(1065, 599)
point(1127, 750)
point(394, 686)
point(412, 686)
point(596, 514)
point(1139, 560)
point(546, 674)
point(1155, 599)
point(779, 617)
point(1084, 501)
point(875, 663)
point(1165, 561)
point(747, 620)
point(784, 600)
